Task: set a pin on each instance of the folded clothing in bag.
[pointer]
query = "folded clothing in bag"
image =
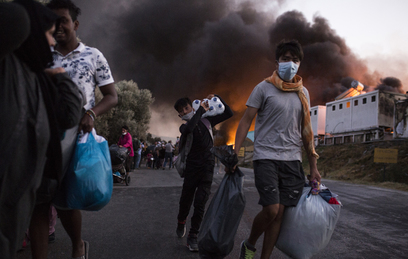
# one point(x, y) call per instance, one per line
point(307, 228)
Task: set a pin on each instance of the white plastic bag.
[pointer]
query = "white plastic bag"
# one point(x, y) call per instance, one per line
point(307, 228)
point(83, 138)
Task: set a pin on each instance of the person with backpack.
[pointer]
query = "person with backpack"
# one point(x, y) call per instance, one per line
point(199, 170)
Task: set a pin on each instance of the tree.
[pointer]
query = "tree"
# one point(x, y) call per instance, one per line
point(150, 139)
point(133, 110)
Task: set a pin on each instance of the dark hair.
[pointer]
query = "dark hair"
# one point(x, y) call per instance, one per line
point(125, 127)
point(35, 50)
point(181, 103)
point(293, 46)
point(74, 10)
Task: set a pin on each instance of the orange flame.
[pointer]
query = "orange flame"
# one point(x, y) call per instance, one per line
point(232, 132)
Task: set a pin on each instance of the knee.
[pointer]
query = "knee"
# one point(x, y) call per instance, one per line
point(271, 212)
point(201, 198)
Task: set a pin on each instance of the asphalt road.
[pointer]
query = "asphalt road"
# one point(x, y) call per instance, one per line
point(140, 221)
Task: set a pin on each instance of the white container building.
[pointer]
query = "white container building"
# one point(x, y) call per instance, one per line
point(361, 118)
point(318, 120)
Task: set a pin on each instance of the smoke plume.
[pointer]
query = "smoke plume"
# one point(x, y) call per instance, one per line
point(193, 48)
point(391, 84)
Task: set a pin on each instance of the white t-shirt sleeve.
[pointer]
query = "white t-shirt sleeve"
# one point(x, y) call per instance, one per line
point(103, 74)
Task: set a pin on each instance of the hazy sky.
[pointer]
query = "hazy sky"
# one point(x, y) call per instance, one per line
point(370, 27)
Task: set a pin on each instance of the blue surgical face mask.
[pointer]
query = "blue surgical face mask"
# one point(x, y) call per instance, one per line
point(287, 70)
point(188, 116)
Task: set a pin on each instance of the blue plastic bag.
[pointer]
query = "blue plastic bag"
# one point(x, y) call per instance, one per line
point(88, 183)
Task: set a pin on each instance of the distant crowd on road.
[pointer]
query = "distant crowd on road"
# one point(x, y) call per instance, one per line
point(154, 156)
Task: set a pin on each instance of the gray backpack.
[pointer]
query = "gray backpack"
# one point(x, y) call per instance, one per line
point(181, 160)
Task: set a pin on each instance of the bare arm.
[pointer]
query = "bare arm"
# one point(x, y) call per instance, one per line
point(109, 100)
point(314, 173)
point(244, 126)
point(242, 131)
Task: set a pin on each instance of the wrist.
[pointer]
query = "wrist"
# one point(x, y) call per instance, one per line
point(91, 114)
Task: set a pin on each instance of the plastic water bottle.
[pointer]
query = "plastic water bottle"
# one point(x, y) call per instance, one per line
point(216, 107)
point(196, 104)
point(211, 112)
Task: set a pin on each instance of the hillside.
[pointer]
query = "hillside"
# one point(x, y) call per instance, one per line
point(355, 163)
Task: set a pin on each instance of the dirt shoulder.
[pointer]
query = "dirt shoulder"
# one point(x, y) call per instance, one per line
point(355, 163)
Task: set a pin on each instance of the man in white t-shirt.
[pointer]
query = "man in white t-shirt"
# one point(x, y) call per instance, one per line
point(281, 106)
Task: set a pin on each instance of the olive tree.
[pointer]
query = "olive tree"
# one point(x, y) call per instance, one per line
point(133, 110)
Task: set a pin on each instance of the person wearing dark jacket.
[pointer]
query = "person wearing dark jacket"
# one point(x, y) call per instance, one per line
point(199, 166)
point(37, 105)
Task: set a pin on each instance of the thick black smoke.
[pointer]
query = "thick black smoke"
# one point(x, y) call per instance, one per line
point(192, 48)
point(390, 84)
point(176, 48)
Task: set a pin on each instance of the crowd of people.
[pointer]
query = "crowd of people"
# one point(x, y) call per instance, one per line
point(154, 156)
point(160, 154)
point(47, 96)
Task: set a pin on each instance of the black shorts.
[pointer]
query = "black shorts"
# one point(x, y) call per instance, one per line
point(279, 182)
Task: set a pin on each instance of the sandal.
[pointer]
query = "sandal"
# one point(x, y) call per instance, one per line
point(86, 248)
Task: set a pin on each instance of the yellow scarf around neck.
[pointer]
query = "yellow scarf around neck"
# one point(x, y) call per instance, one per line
point(297, 86)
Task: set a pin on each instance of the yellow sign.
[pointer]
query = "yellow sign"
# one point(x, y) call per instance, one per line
point(385, 155)
point(241, 152)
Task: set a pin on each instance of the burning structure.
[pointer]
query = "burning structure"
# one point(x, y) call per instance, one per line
point(355, 116)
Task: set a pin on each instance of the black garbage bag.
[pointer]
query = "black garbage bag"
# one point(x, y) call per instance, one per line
point(221, 221)
point(226, 155)
point(118, 154)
